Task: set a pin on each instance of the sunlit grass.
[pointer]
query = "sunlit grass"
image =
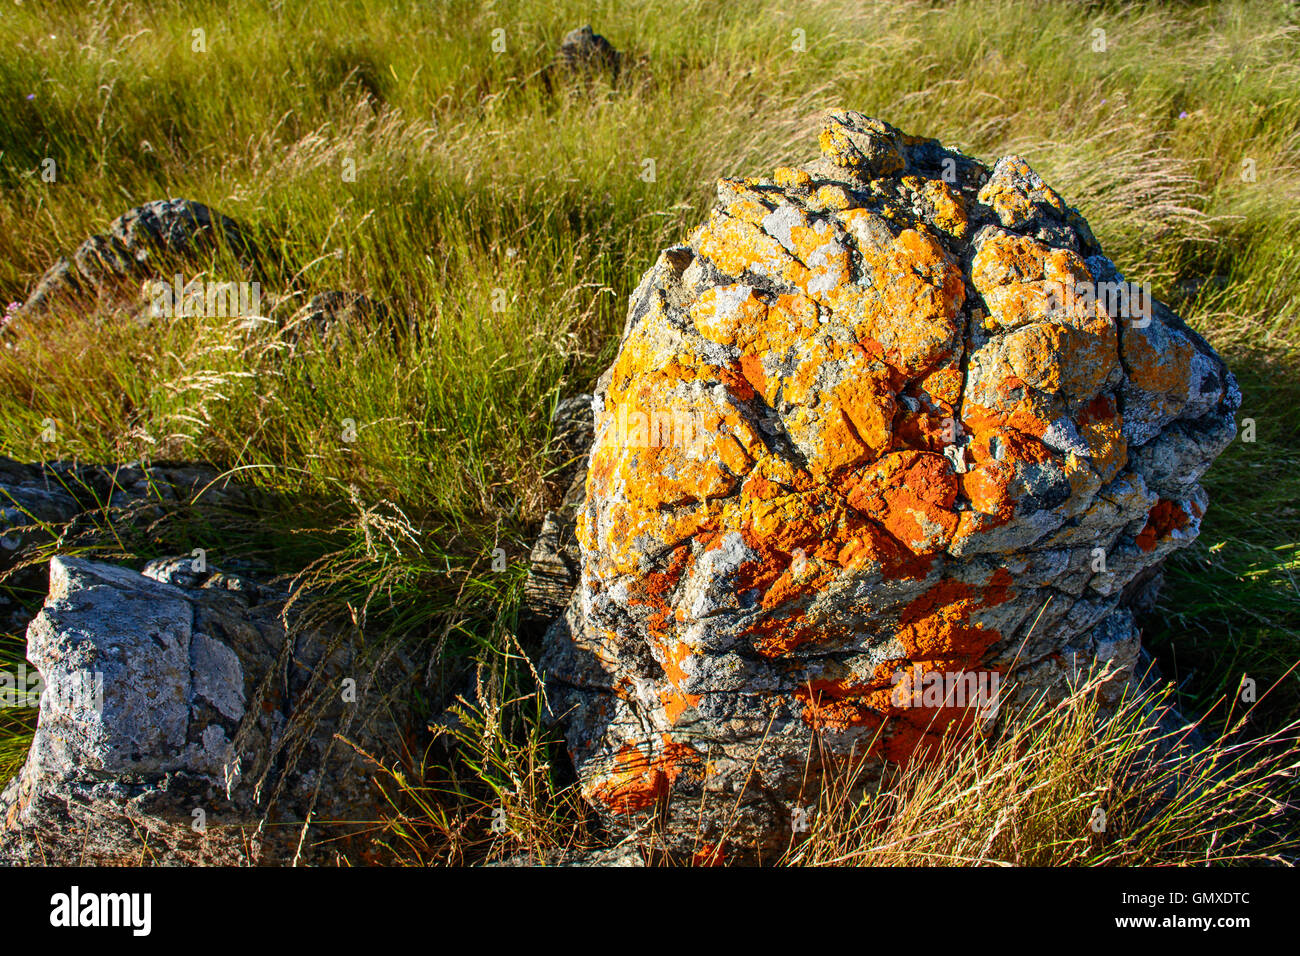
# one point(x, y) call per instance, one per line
point(503, 224)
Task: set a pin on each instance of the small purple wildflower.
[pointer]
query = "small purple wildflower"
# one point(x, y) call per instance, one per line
point(1183, 115)
point(31, 96)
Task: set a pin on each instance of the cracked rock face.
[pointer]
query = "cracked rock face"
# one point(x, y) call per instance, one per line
point(888, 415)
point(179, 723)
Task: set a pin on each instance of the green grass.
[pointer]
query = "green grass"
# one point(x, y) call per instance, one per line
point(472, 178)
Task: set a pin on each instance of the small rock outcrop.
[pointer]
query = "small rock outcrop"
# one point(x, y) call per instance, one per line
point(888, 424)
point(583, 51)
point(329, 315)
point(145, 242)
point(181, 723)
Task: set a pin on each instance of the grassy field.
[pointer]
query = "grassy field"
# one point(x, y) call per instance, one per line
point(1179, 141)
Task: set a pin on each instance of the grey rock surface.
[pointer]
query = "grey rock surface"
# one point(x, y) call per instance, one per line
point(145, 242)
point(182, 722)
point(554, 561)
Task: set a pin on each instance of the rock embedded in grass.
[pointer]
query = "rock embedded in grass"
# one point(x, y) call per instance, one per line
point(329, 316)
point(585, 51)
point(144, 242)
point(181, 723)
point(887, 443)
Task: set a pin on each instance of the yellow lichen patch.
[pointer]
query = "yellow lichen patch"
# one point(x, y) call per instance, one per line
point(949, 207)
point(744, 199)
point(815, 243)
point(909, 318)
point(1060, 358)
point(1101, 426)
point(789, 178)
point(719, 312)
point(1162, 368)
point(784, 523)
point(736, 247)
point(667, 445)
point(847, 421)
point(785, 323)
point(1007, 195)
point(944, 384)
point(831, 197)
point(868, 150)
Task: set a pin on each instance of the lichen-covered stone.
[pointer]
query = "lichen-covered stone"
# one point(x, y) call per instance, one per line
point(888, 415)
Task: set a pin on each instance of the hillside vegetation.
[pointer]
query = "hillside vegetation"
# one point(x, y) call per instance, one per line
point(506, 218)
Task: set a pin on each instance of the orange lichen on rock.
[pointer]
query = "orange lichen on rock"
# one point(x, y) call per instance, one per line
point(872, 422)
point(638, 779)
point(1163, 519)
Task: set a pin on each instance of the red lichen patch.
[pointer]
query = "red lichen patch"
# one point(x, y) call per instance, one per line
point(937, 626)
point(911, 495)
point(639, 779)
point(915, 734)
point(1162, 520)
point(710, 854)
point(777, 635)
point(833, 705)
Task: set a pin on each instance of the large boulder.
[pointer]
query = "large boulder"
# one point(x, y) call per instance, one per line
point(181, 721)
point(886, 442)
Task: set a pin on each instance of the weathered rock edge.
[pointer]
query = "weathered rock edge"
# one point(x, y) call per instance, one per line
point(182, 723)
